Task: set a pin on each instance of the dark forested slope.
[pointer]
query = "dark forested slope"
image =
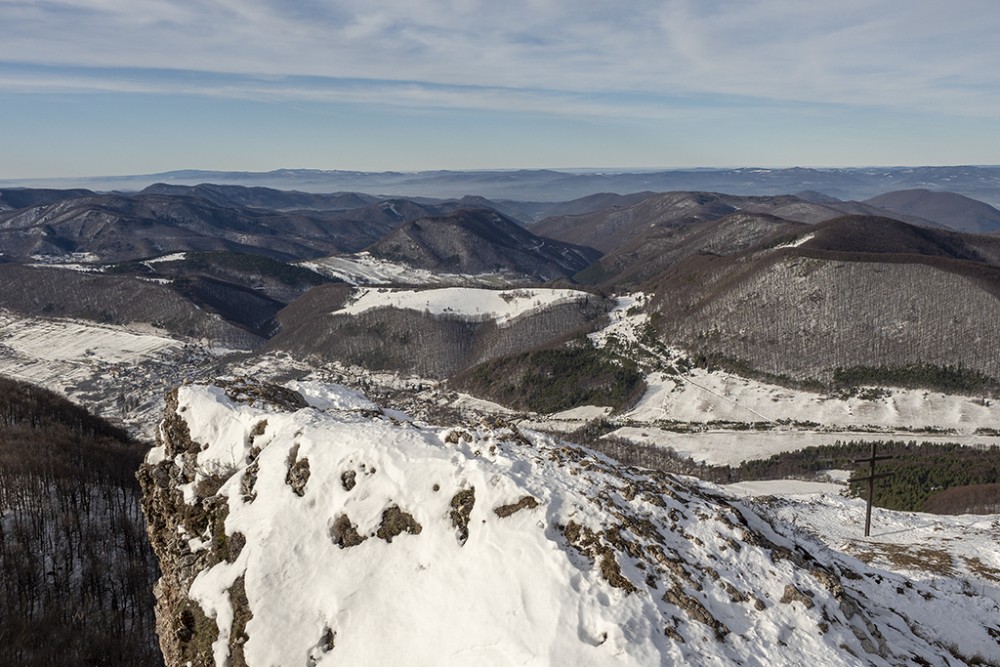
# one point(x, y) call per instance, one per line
point(77, 569)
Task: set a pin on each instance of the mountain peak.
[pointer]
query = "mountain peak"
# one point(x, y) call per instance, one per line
point(336, 534)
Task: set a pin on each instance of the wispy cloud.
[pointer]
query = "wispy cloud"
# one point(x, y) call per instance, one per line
point(552, 56)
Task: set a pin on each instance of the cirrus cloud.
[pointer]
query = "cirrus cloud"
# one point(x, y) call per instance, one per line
point(554, 56)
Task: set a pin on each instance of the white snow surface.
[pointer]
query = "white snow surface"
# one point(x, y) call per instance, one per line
point(172, 257)
point(502, 306)
point(797, 242)
point(702, 396)
point(517, 592)
point(783, 487)
point(326, 396)
point(76, 341)
point(794, 419)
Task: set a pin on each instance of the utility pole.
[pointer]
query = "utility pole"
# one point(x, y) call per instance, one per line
point(871, 484)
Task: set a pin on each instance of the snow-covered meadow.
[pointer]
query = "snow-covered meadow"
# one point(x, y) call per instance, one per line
point(51, 352)
point(480, 305)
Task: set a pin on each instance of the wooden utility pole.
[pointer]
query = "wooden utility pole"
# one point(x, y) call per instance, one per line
point(871, 484)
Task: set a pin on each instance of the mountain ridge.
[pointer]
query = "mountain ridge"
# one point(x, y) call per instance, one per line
point(474, 241)
point(980, 182)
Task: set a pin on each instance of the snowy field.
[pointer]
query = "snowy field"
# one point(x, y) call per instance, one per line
point(678, 411)
point(83, 359)
point(700, 396)
point(798, 419)
point(121, 373)
point(787, 488)
point(465, 302)
point(54, 352)
point(722, 447)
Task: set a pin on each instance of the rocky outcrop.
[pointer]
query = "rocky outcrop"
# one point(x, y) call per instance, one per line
point(411, 544)
point(185, 516)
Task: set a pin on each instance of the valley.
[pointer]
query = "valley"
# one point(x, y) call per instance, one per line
point(730, 320)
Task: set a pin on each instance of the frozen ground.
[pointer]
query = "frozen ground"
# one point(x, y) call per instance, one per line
point(124, 371)
point(727, 447)
point(51, 351)
point(702, 396)
point(786, 488)
point(120, 372)
point(955, 554)
point(74, 340)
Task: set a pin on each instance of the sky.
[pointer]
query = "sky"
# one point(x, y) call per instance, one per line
point(111, 87)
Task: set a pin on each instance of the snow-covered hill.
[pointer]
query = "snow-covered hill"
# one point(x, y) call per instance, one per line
point(311, 527)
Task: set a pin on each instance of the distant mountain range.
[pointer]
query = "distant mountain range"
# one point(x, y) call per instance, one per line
point(543, 185)
point(951, 210)
point(787, 285)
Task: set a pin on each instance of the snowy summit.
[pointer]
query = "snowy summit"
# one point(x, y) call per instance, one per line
point(320, 531)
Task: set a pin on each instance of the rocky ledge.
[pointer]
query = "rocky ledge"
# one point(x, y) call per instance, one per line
point(313, 528)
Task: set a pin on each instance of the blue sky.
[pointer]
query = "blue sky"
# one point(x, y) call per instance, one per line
point(103, 87)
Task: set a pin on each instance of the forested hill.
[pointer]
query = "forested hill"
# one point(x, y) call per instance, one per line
point(77, 569)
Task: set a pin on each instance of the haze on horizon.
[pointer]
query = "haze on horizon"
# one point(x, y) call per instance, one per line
point(101, 87)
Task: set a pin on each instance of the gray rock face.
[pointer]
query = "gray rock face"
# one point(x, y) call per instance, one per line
point(188, 533)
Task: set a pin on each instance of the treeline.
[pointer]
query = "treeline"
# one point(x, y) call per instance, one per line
point(943, 478)
point(851, 381)
point(919, 470)
point(948, 379)
point(77, 569)
point(971, 499)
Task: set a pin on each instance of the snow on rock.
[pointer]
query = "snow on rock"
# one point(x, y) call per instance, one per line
point(338, 537)
point(325, 396)
point(469, 303)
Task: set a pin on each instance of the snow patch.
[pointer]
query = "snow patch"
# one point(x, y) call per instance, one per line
point(325, 396)
point(468, 303)
point(797, 242)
